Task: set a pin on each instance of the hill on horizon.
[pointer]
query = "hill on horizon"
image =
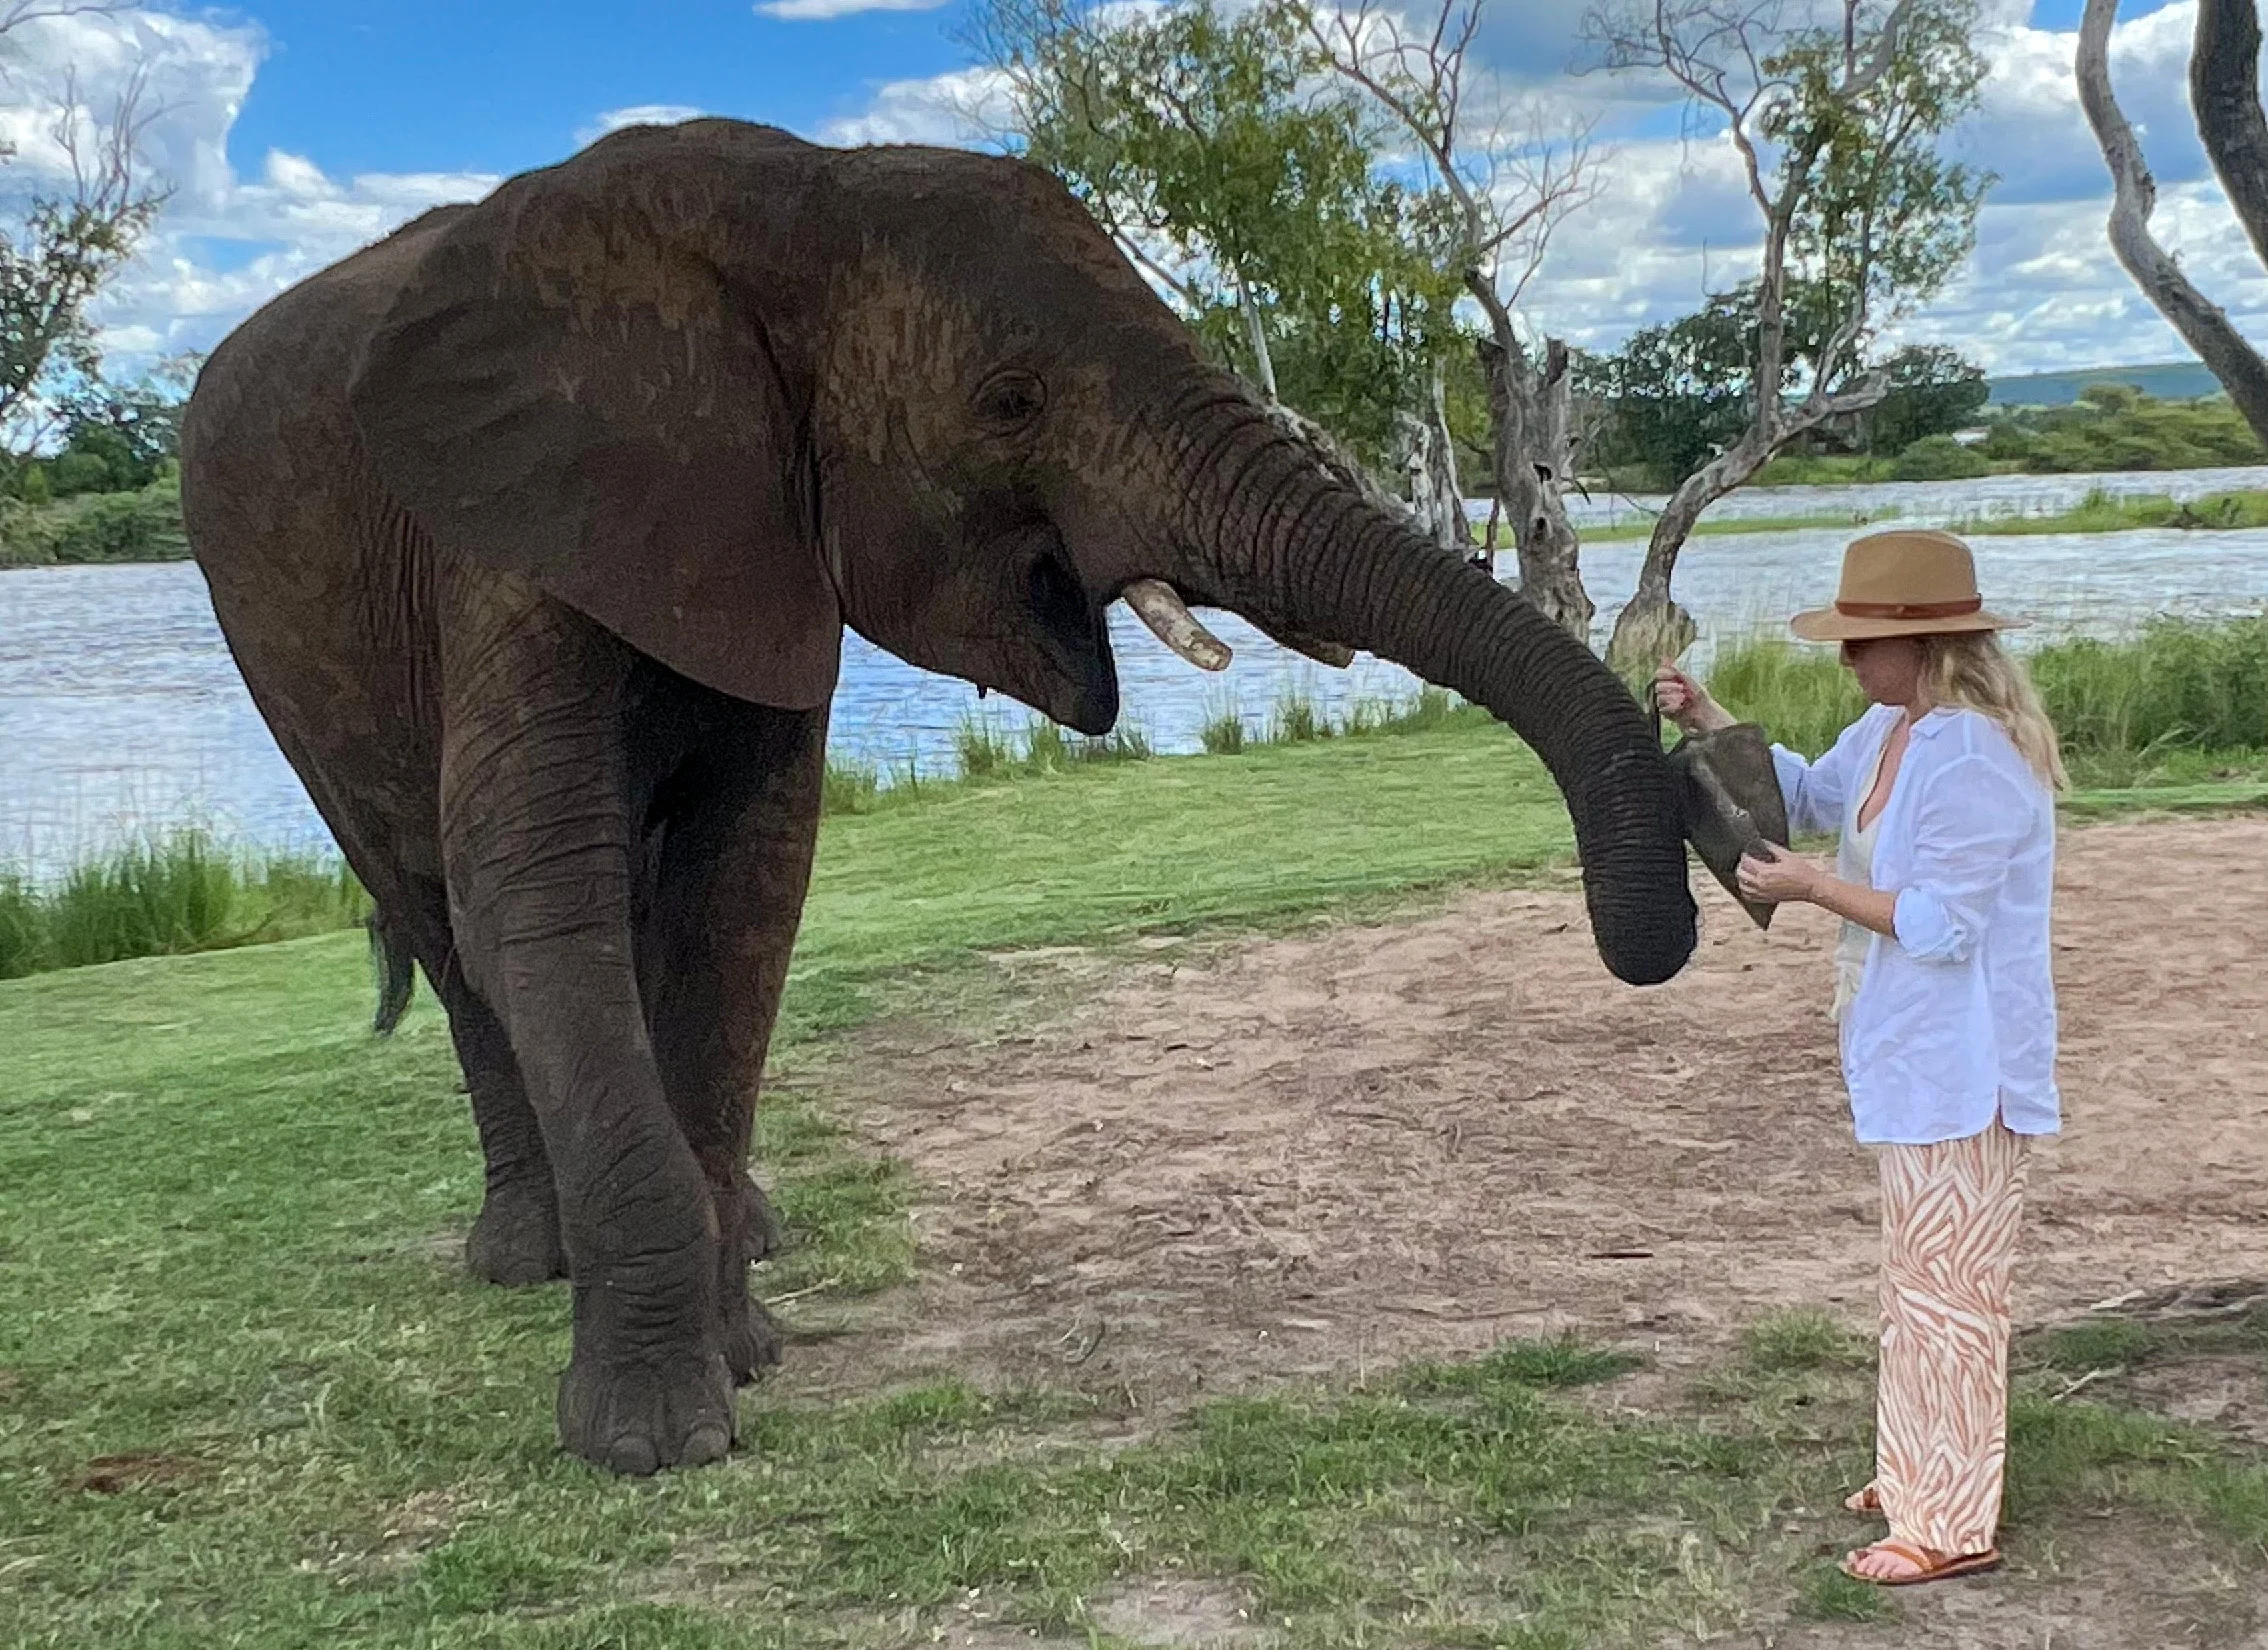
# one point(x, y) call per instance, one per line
point(2166, 380)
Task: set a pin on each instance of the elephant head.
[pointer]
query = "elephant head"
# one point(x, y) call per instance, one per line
point(726, 391)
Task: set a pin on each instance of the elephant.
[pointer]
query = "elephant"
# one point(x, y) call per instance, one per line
point(534, 528)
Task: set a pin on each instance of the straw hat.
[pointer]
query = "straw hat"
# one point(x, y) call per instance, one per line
point(1910, 581)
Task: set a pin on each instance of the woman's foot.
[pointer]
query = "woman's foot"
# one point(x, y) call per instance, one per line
point(1902, 1564)
point(1868, 1500)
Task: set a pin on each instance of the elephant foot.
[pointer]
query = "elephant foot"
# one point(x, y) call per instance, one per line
point(515, 1241)
point(637, 1416)
point(749, 1231)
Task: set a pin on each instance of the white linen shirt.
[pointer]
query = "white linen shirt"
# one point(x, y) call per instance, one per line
point(1954, 1021)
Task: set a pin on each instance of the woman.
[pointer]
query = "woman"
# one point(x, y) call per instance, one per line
point(1943, 795)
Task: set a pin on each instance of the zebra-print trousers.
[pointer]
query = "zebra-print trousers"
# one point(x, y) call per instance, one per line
point(1949, 1217)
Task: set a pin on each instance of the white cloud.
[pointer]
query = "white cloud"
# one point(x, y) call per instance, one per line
point(225, 243)
point(1673, 223)
point(955, 108)
point(637, 114)
point(820, 11)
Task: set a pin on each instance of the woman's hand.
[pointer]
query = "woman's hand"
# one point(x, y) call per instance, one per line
point(1686, 702)
point(1780, 880)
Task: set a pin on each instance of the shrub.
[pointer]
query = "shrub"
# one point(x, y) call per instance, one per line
point(1939, 458)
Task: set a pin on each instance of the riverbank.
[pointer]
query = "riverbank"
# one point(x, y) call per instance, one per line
point(2098, 513)
point(1174, 1261)
point(95, 528)
point(2175, 717)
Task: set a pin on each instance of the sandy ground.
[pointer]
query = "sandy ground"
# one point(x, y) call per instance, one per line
point(1306, 1155)
point(1369, 1143)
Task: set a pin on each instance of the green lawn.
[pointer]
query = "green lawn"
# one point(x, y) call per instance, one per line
point(248, 1396)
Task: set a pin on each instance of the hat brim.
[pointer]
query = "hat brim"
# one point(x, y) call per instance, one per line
point(1824, 624)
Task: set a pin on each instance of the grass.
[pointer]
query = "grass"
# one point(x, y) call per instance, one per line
point(169, 895)
point(248, 1396)
point(2101, 512)
point(1727, 526)
point(2172, 718)
point(2176, 706)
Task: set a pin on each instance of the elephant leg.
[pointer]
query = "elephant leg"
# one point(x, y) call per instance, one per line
point(515, 1239)
point(714, 941)
point(537, 841)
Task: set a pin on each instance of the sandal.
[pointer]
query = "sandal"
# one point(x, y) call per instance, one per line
point(1868, 1500)
point(1929, 1565)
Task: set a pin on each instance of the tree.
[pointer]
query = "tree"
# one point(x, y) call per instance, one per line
point(1930, 391)
point(116, 437)
point(2224, 93)
point(1499, 180)
point(1246, 186)
point(68, 240)
point(1836, 129)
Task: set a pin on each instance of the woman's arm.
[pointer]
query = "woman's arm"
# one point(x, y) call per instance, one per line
point(1967, 825)
point(1787, 877)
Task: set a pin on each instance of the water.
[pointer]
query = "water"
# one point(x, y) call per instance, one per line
point(121, 711)
point(1927, 503)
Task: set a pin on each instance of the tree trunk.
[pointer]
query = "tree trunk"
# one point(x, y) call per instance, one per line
point(1529, 414)
point(2224, 90)
point(2203, 324)
point(1653, 626)
point(1429, 463)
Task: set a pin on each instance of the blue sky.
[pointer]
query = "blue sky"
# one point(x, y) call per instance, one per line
point(500, 85)
point(295, 131)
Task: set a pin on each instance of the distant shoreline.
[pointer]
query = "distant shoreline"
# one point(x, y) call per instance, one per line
point(2131, 513)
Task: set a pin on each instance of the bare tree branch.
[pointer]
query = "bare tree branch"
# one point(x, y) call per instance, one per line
point(2224, 90)
point(1508, 184)
point(2203, 324)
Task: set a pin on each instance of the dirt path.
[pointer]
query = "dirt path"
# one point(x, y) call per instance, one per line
point(1307, 1154)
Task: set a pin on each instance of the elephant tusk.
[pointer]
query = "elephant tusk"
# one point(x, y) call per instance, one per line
point(1160, 607)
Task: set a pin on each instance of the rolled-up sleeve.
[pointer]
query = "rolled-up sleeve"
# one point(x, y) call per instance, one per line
point(1968, 825)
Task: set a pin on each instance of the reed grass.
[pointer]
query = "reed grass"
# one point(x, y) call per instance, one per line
point(2178, 704)
point(2174, 702)
point(168, 895)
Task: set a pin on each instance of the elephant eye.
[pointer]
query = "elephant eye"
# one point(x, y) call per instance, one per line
point(1010, 401)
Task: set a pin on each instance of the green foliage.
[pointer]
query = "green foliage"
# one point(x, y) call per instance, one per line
point(1939, 458)
point(1830, 1595)
point(849, 788)
point(1518, 1364)
point(1933, 391)
point(1882, 219)
point(1297, 719)
point(95, 527)
point(1209, 141)
point(1223, 733)
point(1793, 1341)
point(2117, 427)
point(2124, 709)
point(2175, 683)
point(170, 895)
point(2113, 1343)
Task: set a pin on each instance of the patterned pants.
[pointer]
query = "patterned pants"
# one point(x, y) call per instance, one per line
point(1949, 1215)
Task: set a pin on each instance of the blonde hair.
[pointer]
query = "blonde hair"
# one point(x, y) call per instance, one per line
point(1974, 672)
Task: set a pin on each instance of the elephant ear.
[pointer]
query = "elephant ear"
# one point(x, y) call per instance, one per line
point(566, 389)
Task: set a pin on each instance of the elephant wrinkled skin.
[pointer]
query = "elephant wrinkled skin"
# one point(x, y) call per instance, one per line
point(534, 528)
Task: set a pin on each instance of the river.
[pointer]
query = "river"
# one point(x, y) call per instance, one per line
point(121, 712)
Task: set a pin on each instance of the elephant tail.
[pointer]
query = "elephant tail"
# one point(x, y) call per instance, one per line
point(396, 969)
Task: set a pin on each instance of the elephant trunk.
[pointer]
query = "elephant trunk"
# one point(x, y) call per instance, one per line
point(1273, 533)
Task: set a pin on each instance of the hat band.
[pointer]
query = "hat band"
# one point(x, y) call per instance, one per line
point(1910, 610)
